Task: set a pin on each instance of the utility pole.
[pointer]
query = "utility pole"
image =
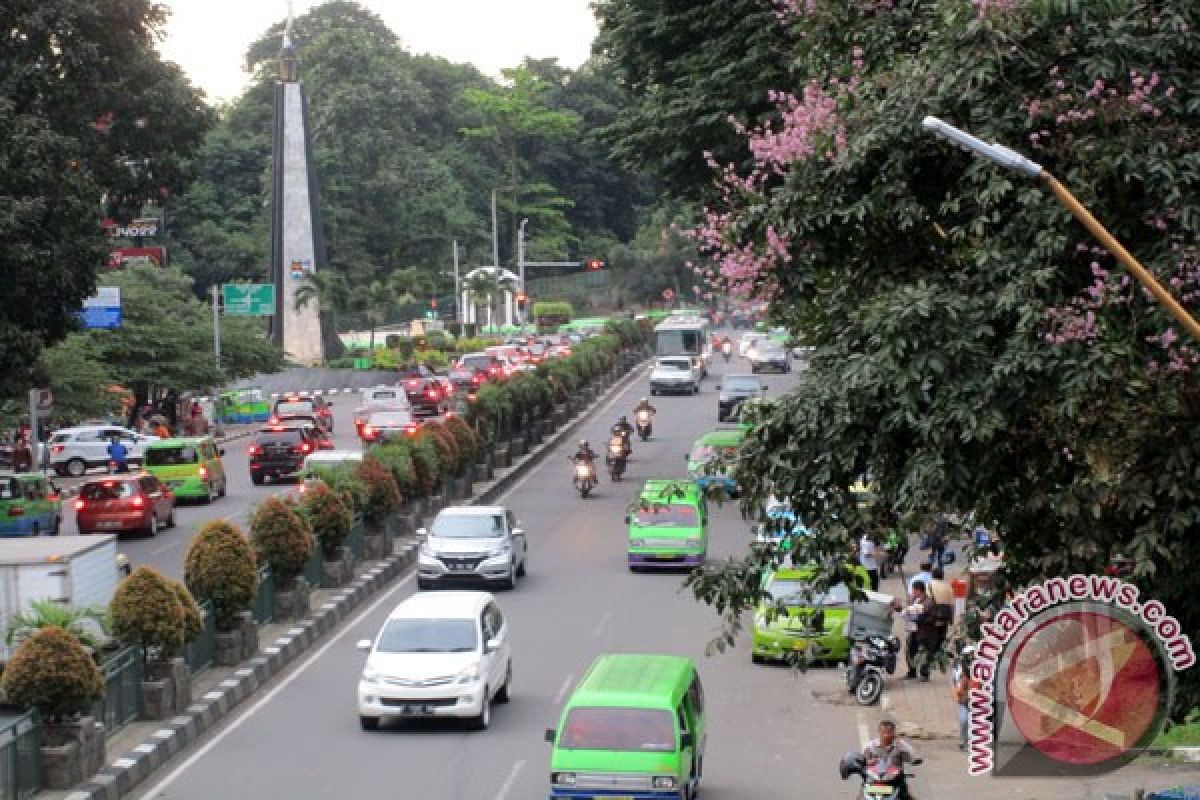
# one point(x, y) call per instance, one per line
point(495, 235)
point(216, 304)
point(457, 292)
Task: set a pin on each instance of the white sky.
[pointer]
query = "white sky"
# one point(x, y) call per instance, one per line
point(209, 38)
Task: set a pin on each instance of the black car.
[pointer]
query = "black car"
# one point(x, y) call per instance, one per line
point(734, 390)
point(279, 451)
point(466, 380)
point(427, 396)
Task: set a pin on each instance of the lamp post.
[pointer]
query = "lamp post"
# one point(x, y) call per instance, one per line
point(1011, 159)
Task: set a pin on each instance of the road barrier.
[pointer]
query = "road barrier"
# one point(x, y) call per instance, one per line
point(200, 653)
point(122, 701)
point(264, 601)
point(20, 757)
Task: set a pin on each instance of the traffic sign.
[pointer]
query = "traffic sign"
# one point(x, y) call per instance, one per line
point(249, 299)
point(103, 309)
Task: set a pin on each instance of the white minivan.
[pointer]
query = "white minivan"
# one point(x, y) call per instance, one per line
point(439, 654)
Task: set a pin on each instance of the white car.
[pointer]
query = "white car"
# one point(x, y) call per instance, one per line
point(673, 374)
point(439, 654)
point(73, 451)
point(382, 426)
point(482, 543)
point(747, 341)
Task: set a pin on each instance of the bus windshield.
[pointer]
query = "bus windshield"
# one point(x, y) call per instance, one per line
point(679, 341)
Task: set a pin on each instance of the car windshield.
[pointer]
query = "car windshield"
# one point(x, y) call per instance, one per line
point(792, 592)
point(682, 366)
point(703, 453)
point(769, 347)
point(289, 436)
point(469, 526)
point(107, 490)
point(672, 516)
point(295, 407)
point(171, 456)
point(742, 384)
point(475, 362)
point(428, 636)
point(638, 730)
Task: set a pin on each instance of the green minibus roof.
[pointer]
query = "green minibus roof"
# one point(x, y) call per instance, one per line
point(634, 681)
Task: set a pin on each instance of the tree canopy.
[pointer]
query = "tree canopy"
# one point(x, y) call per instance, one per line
point(976, 349)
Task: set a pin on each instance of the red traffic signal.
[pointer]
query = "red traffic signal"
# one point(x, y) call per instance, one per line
point(595, 264)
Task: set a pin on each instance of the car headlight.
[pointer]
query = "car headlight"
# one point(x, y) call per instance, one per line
point(664, 782)
point(637, 542)
point(470, 674)
point(370, 675)
point(564, 778)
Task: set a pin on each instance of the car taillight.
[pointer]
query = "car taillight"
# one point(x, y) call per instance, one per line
point(476, 379)
point(413, 384)
point(410, 429)
point(79, 505)
point(57, 448)
point(273, 420)
point(432, 394)
point(203, 471)
point(255, 450)
point(367, 431)
point(138, 501)
point(305, 447)
point(449, 414)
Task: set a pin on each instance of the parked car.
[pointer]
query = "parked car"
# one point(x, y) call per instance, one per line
point(769, 354)
point(30, 505)
point(736, 389)
point(189, 467)
point(439, 654)
point(133, 504)
point(482, 543)
point(674, 374)
point(73, 451)
point(278, 451)
point(382, 426)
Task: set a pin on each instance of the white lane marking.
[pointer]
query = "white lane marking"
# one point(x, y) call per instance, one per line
point(269, 696)
point(163, 548)
point(562, 690)
point(506, 787)
point(864, 734)
point(604, 618)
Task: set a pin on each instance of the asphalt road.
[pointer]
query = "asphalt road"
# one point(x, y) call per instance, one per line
point(302, 739)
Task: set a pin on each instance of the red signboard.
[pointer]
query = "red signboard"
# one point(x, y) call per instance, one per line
point(126, 256)
point(144, 228)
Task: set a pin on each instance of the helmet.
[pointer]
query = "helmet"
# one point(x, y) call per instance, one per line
point(583, 442)
point(643, 400)
point(622, 419)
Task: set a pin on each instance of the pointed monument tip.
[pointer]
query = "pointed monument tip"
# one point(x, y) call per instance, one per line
point(289, 65)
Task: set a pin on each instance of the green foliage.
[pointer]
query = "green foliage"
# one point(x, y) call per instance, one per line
point(50, 671)
point(383, 496)
point(193, 618)
point(331, 519)
point(450, 459)
point(396, 456)
point(220, 567)
point(426, 464)
point(64, 143)
point(283, 535)
point(90, 625)
point(465, 438)
point(342, 480)
point(78, 377)
point(146, 611)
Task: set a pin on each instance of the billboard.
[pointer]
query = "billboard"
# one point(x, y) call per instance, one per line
point(129, 256)
point(103, 309)
point(141, 228)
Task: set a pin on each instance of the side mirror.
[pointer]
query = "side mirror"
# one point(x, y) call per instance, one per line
point(364, 645)
point(492, 645)
point(550, 735)
point(518, 532)
point(628, 519)
point(687, 739)
point(221, 452)
point(916, 762)
point(423, 533)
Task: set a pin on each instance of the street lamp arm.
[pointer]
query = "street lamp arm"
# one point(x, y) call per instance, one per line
point(1002, 155)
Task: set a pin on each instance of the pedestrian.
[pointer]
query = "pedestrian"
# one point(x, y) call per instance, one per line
point(22, 456)
point(937, 540)
point(161, 430)
point(962, 684)
point(869, 561)
point(922, 631)
point(925, 576)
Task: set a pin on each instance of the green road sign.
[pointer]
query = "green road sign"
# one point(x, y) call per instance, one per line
point(249, 299)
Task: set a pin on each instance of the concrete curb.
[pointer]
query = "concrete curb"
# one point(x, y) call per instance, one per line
point(123, 775)
point(127, 772)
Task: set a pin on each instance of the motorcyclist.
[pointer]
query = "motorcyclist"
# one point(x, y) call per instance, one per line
point(644, 405)
point(586, 455)
point(623, 429)
point(891, 750)
point(118, 455)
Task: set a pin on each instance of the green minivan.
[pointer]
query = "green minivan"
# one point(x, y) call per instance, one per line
point(668, 525)
point(720, 444)
point(190, 467)
point(30, 505)
point(633, 729)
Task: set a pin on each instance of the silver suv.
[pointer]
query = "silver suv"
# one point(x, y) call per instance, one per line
point(481, 543)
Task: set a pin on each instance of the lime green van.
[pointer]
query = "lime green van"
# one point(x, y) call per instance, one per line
point(29, 505)
point(634, 729)
point(668, 525)
point(817, 626)
point(722, 443)
point(190, 467)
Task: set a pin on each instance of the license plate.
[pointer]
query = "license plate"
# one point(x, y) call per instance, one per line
point(107, 524)
point(881, 790)
point(460, 568)
point(800, 645)
point(416, 710)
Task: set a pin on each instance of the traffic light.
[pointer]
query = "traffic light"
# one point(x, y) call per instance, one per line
point(595, 264)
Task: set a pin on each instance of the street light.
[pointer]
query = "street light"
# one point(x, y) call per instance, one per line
point(521, 266)
point(1014, 160)
point(495, 235)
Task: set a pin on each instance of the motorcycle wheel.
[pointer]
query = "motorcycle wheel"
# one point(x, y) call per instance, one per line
point(585, 488)
point(870, 689)
point(854, 675)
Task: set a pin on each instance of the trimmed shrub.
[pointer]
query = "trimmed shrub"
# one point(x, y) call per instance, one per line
point(282, 537)
point(426, 464)
point(146, 611)
point(449, 457)
point(221, 567)
point(52, 672)
point(331, 519)
point(396, 456)
point(343, 481)
point(383, 496)
point(193, 617)
point(468, 443)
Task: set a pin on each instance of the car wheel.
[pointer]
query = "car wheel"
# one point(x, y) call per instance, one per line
point(171, 519)
point(510, 582)
point(224, 488)
point(211, 494)
point(57, 529)
point(755, 658)
point(503, 696)
point(76, 468)
point(256, 479)
point(521, 569)
point(369, 723)
point(153, 529)
point(483, 720)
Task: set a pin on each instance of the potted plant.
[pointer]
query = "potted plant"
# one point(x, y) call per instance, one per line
point(53, 673)
point(331, 521)
point(283, 539)
point(427, 466)
point(221, 567)
point(468, 447)
point(449, 456)
point(147, 611)
point(89, 624)
point(383, 496)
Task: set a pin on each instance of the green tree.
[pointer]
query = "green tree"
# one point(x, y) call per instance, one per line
point(87, 109)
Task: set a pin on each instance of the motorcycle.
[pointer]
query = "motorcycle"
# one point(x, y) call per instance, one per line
point(727, 351)
point(616, 458)
point(644, 427)
point(881, 780)
point(585, 478)
point(627, 448)
point(870, 657)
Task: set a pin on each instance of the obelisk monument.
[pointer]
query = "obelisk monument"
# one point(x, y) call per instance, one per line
point(297, 248)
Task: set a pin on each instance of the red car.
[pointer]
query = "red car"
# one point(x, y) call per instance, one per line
point(138, 503)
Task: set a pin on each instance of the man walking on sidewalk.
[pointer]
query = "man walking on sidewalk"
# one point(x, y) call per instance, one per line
point(869, 560)
point(922, 631)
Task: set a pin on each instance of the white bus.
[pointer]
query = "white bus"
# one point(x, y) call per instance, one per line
point(690, 336)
